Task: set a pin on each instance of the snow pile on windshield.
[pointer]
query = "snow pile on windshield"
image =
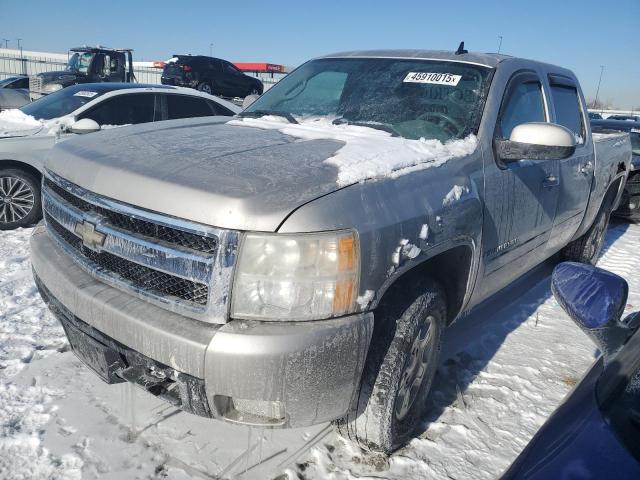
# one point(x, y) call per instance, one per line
point(369, 153)
point(14, 120)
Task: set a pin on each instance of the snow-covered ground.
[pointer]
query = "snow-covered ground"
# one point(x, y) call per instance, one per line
point(504, 369)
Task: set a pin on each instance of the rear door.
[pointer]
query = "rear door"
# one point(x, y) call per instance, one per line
point(520, 196)
point(576, 172)
point(185, 106)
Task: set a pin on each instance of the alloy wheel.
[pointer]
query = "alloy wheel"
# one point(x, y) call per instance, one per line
point(415, 367)
point(16, 199)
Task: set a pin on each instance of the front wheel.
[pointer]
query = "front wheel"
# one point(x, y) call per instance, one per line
point(400, 368)
point(19, 199)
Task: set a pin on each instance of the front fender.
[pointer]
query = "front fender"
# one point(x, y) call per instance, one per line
point(402, 222)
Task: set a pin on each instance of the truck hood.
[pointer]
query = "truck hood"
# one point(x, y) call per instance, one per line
point(63, 77)
point(203, 170)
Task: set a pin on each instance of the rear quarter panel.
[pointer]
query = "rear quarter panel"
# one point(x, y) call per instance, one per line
point(612, 162)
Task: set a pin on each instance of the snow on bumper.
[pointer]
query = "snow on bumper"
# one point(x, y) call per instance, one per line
point(278, 374)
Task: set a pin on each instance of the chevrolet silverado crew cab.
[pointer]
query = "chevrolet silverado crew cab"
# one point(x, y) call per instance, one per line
point(300, 263)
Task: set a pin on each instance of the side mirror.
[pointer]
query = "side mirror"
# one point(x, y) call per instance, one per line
point(537, 141)
point(595, 300)
point(248, 100)
point(86, 125)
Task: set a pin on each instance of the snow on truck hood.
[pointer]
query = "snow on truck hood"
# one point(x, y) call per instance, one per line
point(369, 153)
point(244, 174)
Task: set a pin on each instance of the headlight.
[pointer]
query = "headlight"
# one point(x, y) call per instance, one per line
point(305, 276)
point(52, 87)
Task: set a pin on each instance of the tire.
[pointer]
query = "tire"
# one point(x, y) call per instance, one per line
point(254, 91)
point(205, 88)
point(391, 401)
point(588, 247)
point(20, 202)
point(633, 184)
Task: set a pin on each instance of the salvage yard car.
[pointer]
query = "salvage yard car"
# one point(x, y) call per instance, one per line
point(210, 75)
point(75, 110)
point(300, 263)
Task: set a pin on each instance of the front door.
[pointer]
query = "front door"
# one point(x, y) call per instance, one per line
point(576, 172)
point(520, 196)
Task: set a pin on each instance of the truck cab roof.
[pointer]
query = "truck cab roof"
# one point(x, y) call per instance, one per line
point(478, 58)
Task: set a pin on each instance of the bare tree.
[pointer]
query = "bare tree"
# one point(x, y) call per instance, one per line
point(600, 104)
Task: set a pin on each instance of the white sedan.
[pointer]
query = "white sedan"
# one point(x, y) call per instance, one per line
point(28, 133)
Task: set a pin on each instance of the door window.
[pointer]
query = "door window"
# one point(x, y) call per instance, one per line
point(230, 69)
point(183, 106)
point(568, 111)
point(219, 109)
point(127, 109)
point(525, 104)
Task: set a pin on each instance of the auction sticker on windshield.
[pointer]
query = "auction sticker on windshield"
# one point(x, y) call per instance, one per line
point(433, 78)
point(85, 93)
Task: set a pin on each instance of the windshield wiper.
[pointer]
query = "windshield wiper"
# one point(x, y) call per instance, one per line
point(377, 126)
point(262, 113)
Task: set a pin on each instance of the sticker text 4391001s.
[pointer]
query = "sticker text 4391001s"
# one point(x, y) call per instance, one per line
point(433, 78)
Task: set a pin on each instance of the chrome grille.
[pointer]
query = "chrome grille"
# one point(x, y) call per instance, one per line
point(139, 226)
point(35, 87)
point(179, 265)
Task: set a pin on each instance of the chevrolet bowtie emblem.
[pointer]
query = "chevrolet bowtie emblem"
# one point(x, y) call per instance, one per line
point(91, 238)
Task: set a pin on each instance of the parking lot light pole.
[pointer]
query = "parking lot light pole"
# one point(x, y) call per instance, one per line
point(211, 49)
point(22, 62)
point(6, 43)
point(598, 89)
point(499, 43)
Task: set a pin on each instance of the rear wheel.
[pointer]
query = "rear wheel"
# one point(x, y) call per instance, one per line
point(253, 91)
point(588, 247)
point(19, 199)
point(205, 87)
point(400, 368)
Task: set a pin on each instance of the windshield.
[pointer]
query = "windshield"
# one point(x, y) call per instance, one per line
point(80, 63)
point(60, 103)
point(414, 99)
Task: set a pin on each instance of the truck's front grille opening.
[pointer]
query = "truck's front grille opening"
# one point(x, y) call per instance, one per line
point(142, 277)
point(170, 235)
point(176, 264)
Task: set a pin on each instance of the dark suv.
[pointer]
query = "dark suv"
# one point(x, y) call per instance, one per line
point(210, 75)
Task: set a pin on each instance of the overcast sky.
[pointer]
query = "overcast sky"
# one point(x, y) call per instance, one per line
point(580, 35)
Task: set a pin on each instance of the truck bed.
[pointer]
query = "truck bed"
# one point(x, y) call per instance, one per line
point(612, 153)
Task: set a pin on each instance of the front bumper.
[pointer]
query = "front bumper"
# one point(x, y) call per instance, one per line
point(260, 373)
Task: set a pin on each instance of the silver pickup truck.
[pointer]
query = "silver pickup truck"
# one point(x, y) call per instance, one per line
point(300, 263)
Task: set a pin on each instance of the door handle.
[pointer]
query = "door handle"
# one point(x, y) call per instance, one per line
point(551, 180)
point(587, 168)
